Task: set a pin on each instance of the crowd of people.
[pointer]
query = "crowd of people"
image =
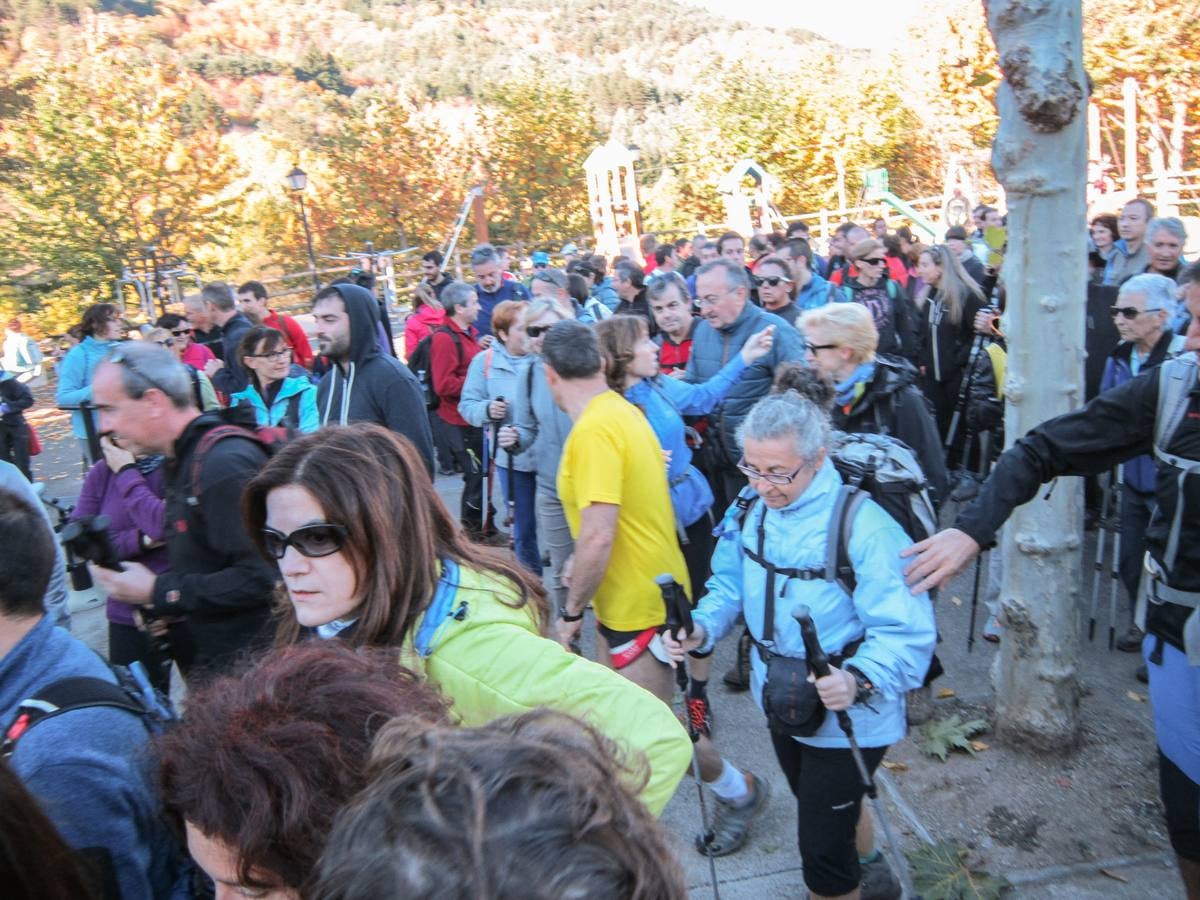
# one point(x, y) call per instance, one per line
point(387, 699)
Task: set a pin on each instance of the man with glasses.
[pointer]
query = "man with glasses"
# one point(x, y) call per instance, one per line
point(217, 579)
point(252, 299)
point(1142, 315)
point(728, 319)
point(491, 286)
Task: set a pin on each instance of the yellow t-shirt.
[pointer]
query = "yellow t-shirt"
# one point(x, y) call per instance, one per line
point(613, 456)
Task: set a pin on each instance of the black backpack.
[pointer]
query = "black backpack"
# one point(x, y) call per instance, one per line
point(421, 363)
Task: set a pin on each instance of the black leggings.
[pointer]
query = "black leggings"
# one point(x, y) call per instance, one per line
point(829, 795)
point(1181, 797)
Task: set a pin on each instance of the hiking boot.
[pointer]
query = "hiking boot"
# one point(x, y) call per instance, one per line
point(879, 882)
point(1142, 674)
point(1131, 640)
point(920, 705)
point(700, 715)
point(731, 824)
point(738, 678)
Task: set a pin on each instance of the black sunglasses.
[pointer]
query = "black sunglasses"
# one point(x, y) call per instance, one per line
point(874, 261)
point(536, 331)
point(813, 348)
point(1129, 312)
point(313, 541)
point(541, 265)
point(771, 280)
point(179, 332)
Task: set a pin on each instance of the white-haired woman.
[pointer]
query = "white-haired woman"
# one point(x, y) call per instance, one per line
point(878, 635)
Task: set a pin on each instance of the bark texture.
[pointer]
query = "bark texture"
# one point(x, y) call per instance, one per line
point(1040, 157)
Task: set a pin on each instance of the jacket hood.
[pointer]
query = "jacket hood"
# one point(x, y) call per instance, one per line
point(364, 316)
point(891, 374)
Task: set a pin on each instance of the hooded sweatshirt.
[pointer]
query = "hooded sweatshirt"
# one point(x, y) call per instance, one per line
point(370, 387)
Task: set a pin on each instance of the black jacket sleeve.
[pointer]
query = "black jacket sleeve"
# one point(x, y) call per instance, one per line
point(240, 578)
point(906, 325)
point(402, 408)
point(915, 425)
point(16, 395)
point(1114, 428)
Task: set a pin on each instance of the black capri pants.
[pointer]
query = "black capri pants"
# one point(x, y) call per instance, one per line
point(829, 795)
point(1181, 797)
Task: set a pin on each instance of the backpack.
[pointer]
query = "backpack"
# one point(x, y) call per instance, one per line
point(238, 422)
point(870, 465)
point(421, 363)
point(595, 308)
point(1176, 382)
point(132, 693)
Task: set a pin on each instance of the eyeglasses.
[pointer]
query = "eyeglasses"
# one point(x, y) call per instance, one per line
point(873, 261)
point(810, 347)
point(166, 342)
point(1129, 312)
point(771, 280)
point(180, 332)
point(769, 477)
point(536, 331)
point(313, 541)
point(274, 355)
point(541, 265)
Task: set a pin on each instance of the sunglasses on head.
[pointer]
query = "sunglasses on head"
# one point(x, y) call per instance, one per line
point(771, 280)
point(313, 541)
point(536, 331)
point(1128, 312)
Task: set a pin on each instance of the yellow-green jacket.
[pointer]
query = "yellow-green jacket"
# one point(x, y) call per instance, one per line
point(490, 661)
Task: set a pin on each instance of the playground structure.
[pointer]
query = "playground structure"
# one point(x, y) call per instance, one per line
point(613, 199)
point(752, 213)
point(156, 280)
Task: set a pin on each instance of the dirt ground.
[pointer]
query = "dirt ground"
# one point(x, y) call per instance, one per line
point(1087, 823)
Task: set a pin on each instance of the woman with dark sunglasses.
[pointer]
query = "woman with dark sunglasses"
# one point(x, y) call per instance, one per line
point(884, 298)
point(776, 283)
point(368, 554)
point(277, 395)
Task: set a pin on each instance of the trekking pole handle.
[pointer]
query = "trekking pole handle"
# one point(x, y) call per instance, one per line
point(817, 659)
point(679, 617)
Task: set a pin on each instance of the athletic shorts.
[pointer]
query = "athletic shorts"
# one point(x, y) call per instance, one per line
point(829, 792)
point(1181, 797)
point(626, 646)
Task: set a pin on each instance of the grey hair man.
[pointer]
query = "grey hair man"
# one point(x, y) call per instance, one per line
point(227, 375)
point(728, 319)
point(217, 581)
point(614, 492)
point(493, 285)
point(1165, 240)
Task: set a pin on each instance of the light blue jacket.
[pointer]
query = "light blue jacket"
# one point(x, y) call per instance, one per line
point(542, 427)
point(309, 417)
point(75, 377)
point(898, 627)
point(481, 388)
point(606, 294)
point(664, 400)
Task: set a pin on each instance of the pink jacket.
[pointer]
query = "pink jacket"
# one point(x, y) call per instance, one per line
point(418, 326)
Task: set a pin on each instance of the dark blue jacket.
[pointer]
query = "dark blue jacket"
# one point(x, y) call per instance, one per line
point(508, 290)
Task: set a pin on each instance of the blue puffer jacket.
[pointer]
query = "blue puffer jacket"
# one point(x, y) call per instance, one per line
point(307, 416)
point(664, 400)
point(897, 628)
point(75, 377)
point(712, 348)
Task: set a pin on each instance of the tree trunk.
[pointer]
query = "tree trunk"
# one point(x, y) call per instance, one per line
point(1040, 157)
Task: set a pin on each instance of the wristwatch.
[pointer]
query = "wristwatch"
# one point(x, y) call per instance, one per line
point(865, 688)
point(566, 616)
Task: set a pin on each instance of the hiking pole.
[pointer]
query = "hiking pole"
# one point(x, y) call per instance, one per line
point(491, 447)
point(1115, 565)
point(679, 617)
point(974, 604)
point(1098, 567)
point(819, 663)
point(964, 392)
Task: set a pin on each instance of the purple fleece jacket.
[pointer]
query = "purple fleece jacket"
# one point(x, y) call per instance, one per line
point(134, 505)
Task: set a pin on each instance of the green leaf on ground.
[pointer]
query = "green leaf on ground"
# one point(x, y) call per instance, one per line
point(943, 735)
point(946, 872)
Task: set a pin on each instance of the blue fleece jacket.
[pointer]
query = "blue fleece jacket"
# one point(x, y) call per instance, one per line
point(309, 418)
point(75, 377)
point(90, 770)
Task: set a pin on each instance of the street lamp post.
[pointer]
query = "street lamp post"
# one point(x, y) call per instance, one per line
point(297, 180)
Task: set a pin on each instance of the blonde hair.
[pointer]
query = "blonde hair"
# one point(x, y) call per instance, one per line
point(846, 325)
point(538, 307)
point(955, 285)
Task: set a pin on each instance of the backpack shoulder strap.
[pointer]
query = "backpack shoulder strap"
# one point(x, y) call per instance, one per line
point(63, 696)
point(207, 441)
point(439, 608)
point(196, 392)
point(892, 290)
point(838, 567)
point(847, 292)
point(291, 418)
point(1176, 378)
point(529, 385)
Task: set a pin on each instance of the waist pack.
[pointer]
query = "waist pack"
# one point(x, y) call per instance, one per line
point(791, 702)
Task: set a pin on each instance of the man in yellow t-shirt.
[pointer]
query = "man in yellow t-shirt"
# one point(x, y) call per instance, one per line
point(612, 482)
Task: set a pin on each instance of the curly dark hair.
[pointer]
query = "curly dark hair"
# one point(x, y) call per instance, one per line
point(262, 761)
point(805, 381)
point(532, 807)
